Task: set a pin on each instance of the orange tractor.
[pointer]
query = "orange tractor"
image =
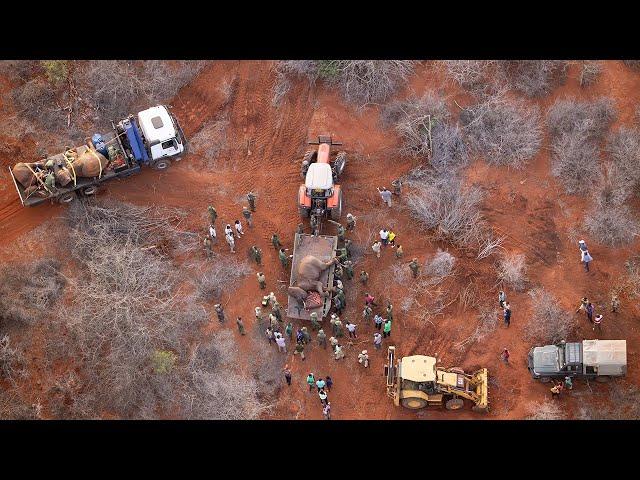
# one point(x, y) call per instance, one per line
point(320, 196)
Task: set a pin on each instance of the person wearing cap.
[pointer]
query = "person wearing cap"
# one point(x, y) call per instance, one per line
point(583, 304)
point(363, 358)
point(502, 297)
point(582, 245)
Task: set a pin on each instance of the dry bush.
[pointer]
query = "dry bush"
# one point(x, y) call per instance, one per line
point(280, 88)
point(533, 78)
point(623, 146)
point(472, 75)
point(20, 70)
point(546, 410)
point(210, 141)
point(445, 207)
point(266, 367)
point(488, 321)
point(612, 225)
point(505, 132)
point(27, 293)
point(589, 73)
point(440, 266)
point(488, 244)
point(12, 363)
point(512, 270)
point(360, 81)
point(576, 128)
point(623, 403)
point(548, 323)
point(12, 407)
point(632, 64)
point(114, 88)
point(35, 101)
point(218, 274)
point(400, 273)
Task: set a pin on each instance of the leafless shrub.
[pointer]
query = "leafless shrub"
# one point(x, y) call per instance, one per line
point(632, 64)
point(545, 410)
point(217, 275)
point(505, 132)
point(303, 68)
point(623, 147)
point(12, 407)
point(548, 323)
point(632, 266)
point(35, 101)
point(11, 361)
point(210, 141)
point(400, 273)
point(280, 88)
point(20, 70)
point(440, 266)
point(512, 270)
point(27, 292)
point(488, 244)
point(266, 368)
point(488, 321)
point(612, 225)
point(589, 73)
point(445, 207)
point(472, 75)
point(623, 404)
point(590, 118)
point(534, 78)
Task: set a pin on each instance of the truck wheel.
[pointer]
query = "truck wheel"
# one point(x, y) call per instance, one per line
point(413, 403)
point(161, 164)
point(603, 379)
point(339, 163)
point(545, 379)
point(454, 404)
point(336, 213)
point(90, 190)
point(310, 156)
point(478, 409)
point(67, 198)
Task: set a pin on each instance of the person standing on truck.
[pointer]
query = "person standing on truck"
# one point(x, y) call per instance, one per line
point(364, 277)
point(219, 312)
point(50, 182)
point(399, 252)
point(212, 215)
point(251, 198)
point(351, 222)
point(262, 281)
point(385, 195)
point(247, 215)
point(413, 265)
point(207, 246)
point(238, 226)
point(275, 241)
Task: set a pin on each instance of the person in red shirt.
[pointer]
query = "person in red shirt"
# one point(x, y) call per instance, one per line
point(505, 355)
point(369, 300)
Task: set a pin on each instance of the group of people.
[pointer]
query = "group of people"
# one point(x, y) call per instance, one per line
point(387, 237)
point(229, 234)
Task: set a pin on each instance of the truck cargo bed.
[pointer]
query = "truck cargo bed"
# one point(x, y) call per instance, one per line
point(323, 247)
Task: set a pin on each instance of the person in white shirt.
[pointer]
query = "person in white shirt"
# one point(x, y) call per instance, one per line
point(281, 344)
point(363, 358)
point(377, 340)
point(212, 233)
point(385, 195)
point(585, 258)
point(376, 248)
point(239, 228)
point(230, 241)
point(351, 327)
point(228, 230)
point(384, 236)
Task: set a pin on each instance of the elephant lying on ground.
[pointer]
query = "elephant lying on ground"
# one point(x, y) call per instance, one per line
point(310, 270)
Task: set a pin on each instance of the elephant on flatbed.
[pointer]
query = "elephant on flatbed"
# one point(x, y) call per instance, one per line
point(310, 270)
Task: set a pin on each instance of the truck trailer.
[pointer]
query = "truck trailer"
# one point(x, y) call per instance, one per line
point(153, 137)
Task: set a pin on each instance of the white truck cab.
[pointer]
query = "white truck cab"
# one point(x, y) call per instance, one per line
point(160, 132)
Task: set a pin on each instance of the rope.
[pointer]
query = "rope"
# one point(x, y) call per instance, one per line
point(73, 170)
point(99, 162)
point(40, 180)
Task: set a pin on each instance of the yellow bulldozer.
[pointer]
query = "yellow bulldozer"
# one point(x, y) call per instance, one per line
point(416, 382)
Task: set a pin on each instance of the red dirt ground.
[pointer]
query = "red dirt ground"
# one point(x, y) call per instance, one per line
point(263, 154)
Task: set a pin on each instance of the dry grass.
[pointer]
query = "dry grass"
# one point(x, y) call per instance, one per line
point(545, 410)
point(533, 78)
point(488, 321)
point(612, 225)
point(472, 75)
point(210, 141)
point(589, 73)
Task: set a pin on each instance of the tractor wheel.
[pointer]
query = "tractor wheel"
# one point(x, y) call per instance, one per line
point(603, 379)
point(456, 370)
point(336, 212)
point(454, 404)
point(413, 403)
point(310, 156)
point(162, 164)
point(339, 163)
point(545, 379)
point(90, 190)
point(478, 409)
point(67, 198)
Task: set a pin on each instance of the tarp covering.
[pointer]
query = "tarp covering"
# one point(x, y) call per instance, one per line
point(605, 352)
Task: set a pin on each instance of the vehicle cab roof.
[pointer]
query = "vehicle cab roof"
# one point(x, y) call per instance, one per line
point(418, 368)
point(156, 124)
point(319, 176)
